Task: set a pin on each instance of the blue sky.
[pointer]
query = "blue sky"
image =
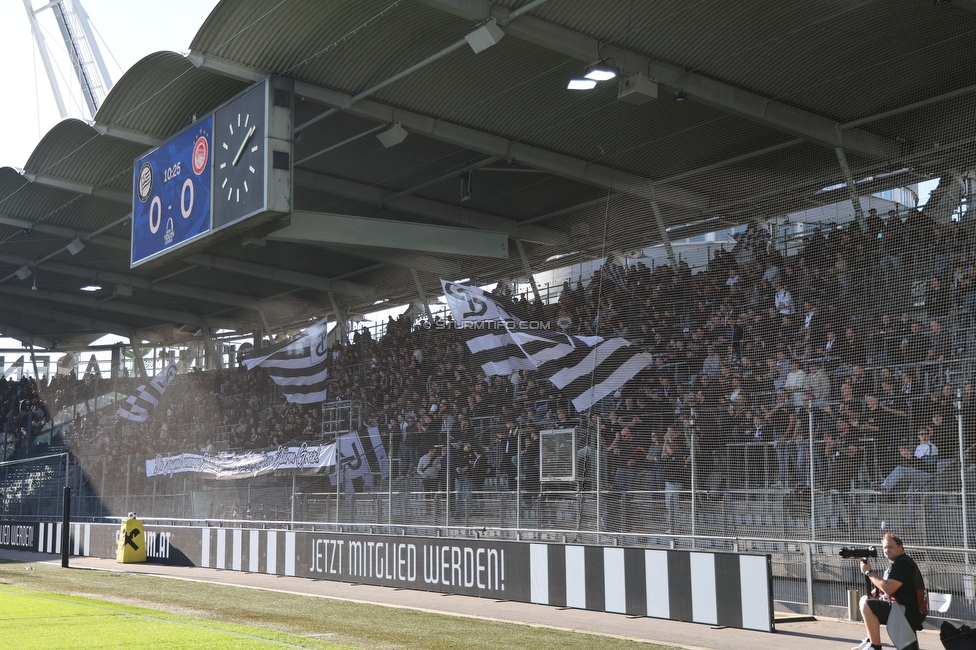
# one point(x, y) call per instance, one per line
point(126, 31)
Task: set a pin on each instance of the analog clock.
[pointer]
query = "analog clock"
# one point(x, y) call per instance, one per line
point(240, 157)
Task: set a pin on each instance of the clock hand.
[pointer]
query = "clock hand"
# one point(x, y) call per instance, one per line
point(240, 151)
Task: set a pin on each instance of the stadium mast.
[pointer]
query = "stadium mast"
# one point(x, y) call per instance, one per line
point(79, 41)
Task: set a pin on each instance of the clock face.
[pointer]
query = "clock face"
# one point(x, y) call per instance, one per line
point(239, 157)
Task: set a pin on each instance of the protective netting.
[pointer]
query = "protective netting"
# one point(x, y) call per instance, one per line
point(810, 318)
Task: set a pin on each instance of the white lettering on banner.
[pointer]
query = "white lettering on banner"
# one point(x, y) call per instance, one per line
point(327, 556)
point(444, 565)
point(448, 565)
point(157, 544)
point(13, 535)
point(251, 463)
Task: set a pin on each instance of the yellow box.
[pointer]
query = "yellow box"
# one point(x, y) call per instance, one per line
point(132, 541)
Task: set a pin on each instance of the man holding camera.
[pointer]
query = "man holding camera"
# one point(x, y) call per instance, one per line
point(896, 602)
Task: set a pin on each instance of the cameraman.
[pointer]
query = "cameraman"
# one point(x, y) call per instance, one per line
point(899, 586)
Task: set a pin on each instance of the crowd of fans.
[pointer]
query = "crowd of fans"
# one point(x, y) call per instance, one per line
point(769, 370)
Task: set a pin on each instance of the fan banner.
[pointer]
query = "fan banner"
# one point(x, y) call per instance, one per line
point(244, 465)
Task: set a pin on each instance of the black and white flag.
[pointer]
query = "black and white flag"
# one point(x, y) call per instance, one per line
point(585, 368)
point(299, 367)
point(360, 455)
point(137, 406)
point(485, 326)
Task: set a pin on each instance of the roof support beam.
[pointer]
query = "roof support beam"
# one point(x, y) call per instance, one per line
point(440, 179)
point(76, 320)
point(24, 336)
point(89, 190)
point(489, 144)
point(340, 318)
point(851, 187)
point(406, 260)
point(662, 230)
point(297, 278)
point(715, 93)
point(108, 241)
point(451, 215)
point(423, 295)
point(155, 313)
point(344, 230)
point(528, 270)
point(168, 288)
point(138, 137)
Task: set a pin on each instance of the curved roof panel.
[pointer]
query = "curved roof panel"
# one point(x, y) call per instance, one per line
point(161, 94)
point(769, 87)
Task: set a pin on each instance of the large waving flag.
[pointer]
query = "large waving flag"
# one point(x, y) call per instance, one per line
point(486, 326)
point(298, 367)
point(585, 368)
point(137, 406)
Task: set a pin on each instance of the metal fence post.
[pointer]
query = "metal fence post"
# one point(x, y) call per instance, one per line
point(962, 475)
point(808, 562)
point(813, 499)
point(128, 472)
point(599, 422)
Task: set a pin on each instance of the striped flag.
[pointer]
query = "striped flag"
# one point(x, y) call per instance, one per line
point(484, 327)
point(585, 368)
point(496, 352)
point(298, 367)
point(361, 455)
point(615, 273)
point(137, 406)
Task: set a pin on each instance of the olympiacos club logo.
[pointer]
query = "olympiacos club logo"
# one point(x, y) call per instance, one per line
point(201, 152)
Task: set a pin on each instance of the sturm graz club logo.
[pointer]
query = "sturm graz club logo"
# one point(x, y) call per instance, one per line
point(476, 304)
point(145, 181)
point(322, 344)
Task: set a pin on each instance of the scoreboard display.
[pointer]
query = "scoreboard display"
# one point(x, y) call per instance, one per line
point(225, 174)
point(171, 202)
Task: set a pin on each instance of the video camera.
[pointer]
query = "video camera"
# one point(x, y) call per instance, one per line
point(861, 553)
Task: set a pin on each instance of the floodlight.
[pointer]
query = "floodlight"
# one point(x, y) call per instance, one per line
point(581, 84)
point(600, 73)
point(23, 272)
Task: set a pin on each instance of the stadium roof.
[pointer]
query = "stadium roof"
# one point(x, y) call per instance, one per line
point(783, 100)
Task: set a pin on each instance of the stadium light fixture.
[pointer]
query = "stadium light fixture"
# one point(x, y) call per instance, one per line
point(637, 89)
point(76, 246)
point(600, 72)
point(393, 135)
point(485, 36)
point(581, 84)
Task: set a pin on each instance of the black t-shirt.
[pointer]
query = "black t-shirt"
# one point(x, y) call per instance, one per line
point(903, 570)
